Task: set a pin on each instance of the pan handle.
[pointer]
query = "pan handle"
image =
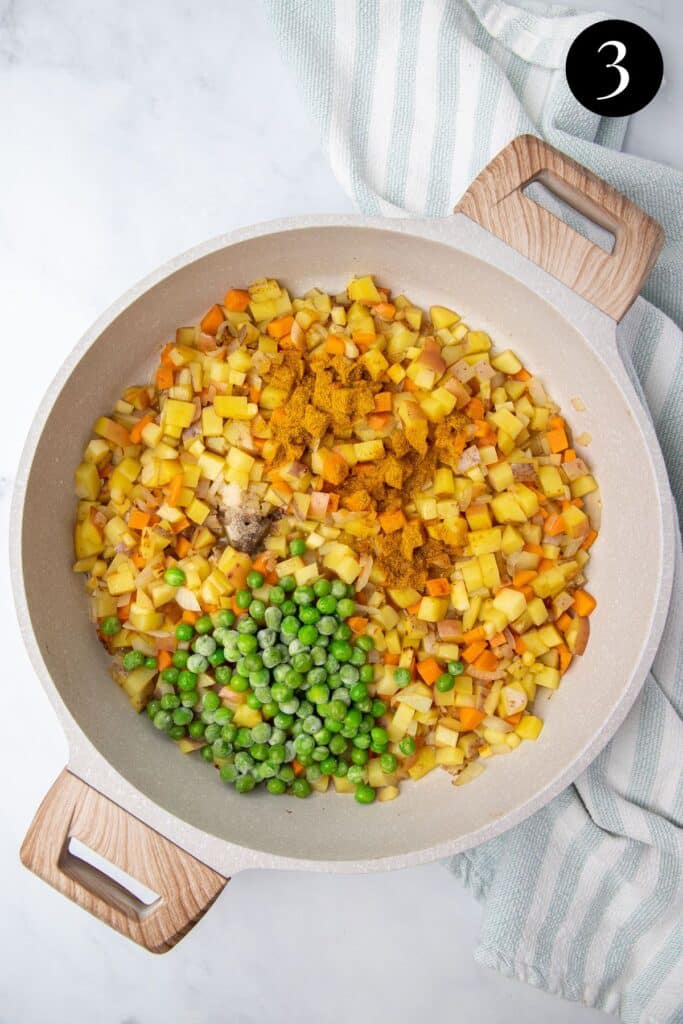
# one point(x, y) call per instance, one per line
point(496, 201)
point(184, 887)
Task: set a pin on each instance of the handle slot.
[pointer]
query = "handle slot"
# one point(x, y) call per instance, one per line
point(105, 879)
point(546, 191)
point(609, 280)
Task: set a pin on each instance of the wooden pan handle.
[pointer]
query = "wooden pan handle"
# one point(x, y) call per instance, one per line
point(186, 887)
point(610, 281)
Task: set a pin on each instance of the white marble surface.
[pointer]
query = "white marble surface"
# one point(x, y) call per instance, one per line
point(131, 131)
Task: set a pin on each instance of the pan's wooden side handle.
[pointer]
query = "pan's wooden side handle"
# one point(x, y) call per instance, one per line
point(496, 201)
point(186, 888)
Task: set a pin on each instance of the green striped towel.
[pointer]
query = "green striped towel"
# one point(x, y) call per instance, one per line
point(413, 98)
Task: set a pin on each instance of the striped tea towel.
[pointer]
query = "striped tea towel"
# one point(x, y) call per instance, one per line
point(413, 98)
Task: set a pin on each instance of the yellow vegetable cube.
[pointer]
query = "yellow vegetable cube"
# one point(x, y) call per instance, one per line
point(551, 482)
point(426, 761)
point(483, 542)
point(512, 540)
point(507, 509)
point(583, 485)
point(529, 727)
point(500, 476)
point(234, 407)
point(507, 362)
point(212, 423)
point(511, 602)
point(442, 317)
point(448, 757)
point(433, 609)
point(87, 481)
point(471, 574)
point(197, 511)
point(363, 289)
point(178, 414)
point(246, 717)
point(489, 571)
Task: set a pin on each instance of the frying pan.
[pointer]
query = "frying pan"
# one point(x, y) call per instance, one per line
point(508, 266)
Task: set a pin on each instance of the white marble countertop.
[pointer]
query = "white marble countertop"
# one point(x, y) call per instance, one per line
point(130, 132)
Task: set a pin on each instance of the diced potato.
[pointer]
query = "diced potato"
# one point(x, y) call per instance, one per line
point(433, 609)
point(139, 686)
point(507, 362)
point(583, 485)
point(234, 407)
point(507, 509)
point(551, 482)
point(481, 542)
point(500, 476)
point(363, 289)
point(404, 597)
point(511, 602)
point(87, 481)
point(426, 762)
point(247, 717)
point(442, 317)
point(529, 727)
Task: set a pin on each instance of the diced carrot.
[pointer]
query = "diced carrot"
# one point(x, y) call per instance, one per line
point(545, 564)
point(164, 660)
point(470, 718)
point(166, 359)
point(564, 622)
point(520, 646)
point(569, 455)
point(557, 439)
point(413, 609)
point(355, 502)
point(554, 525)
point(123, 612)
point(410, 385)
point(522, 375)
point(384, 292)
point(391, 659)
point(475, 409)
point(486, 662)
point(527, 591)
point(473, 650)
point(584, 603)
point(534, 549)
point(590, 540)
point(210, 608)
point(523, 577)
point(263, 562)
point(181, 525)
point(333, 503)
point(565, 657)
point(164, 378)
point(138, 560)
point(383, 401)
point(430, 670)
point(498, 639)
point(138, 520)
point(384, 310)
point(174, 489)
point(438, 587)
point(392, 521)
point(357, 623)
point(281, 326)
point(379, 420)
point(236, 300)
point(136, 431)
point(254, 394)
point(212, 320)
point(182, 547)
point(473, 634)
point(335, 346)
point(297, 767)
point(363, 338)
point(190, 617)
point(514, 719)
point(556, 422)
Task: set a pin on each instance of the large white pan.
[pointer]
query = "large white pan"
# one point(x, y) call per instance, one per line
point(508, 266)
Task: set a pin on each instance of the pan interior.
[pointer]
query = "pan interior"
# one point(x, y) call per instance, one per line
point(429, 812)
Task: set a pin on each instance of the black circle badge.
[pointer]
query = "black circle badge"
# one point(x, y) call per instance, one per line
point(614, 68)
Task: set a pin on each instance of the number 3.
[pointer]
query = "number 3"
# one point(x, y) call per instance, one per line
point(624, 77)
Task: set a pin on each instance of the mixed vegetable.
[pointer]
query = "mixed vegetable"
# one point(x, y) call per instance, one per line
point(337, 540)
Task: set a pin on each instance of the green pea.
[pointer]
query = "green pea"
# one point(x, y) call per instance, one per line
point(358, 657)
point(456, 668)
point(309, 615)
point(169, 702)
point(407, 746)
point(378, 708)
point(257, 610)
point(247, 625)
point(170, 675)
point(177, 732)
point(211, 701)
point(336, 710)
point(255, 579)
point(302, 662)
point(239, 683)
point(206, 753)
point(288, 583)
point(388, 763)
point(197, 663)
point(229, 732)
point(205, 645)
point(297, 547)
point(110, 625)
point(301, 788)
point(163, 720)
point(276, 786)
point(243, 738)
point(133, 660)
point(341, 770)
point(337, 744)
point(341, 650)
point(276, 595)
point(276, 754)
point(365, 642)
point(365, 794)
point(338, 589)
point(445, 682)
point(349, 674)
point(223, 716)
point(327, 625)
point(303, 595)
point(259, 751)
point(359, 756)
point(212, 732)
point(289, 607)
point(319, 693)
point(228, 772)
point(308, 635)
point(283, 721)
point(152, 707)
point(402, 676)
point(196, 730)
point(247, 643)
point(179, 658)
point(184, 632)
point(367, 674)
point(223, 675)
point(271, 657)
point(217, 658)
point(245, 783)
point(322, 587)
point(266, 638)
point(151, 662)
point(304, 744)
point(345, 608)
point(269, 709)
point(225, 618)
point(174, 576)
point(204, 624)
point(327, 604)
point(243, 598)
point(328, 766)
point(189, 698)
point(356, 774)
point(362, 742)
point(358, 691)
point(253, 702)
point(343, 631)
point(290, 626)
